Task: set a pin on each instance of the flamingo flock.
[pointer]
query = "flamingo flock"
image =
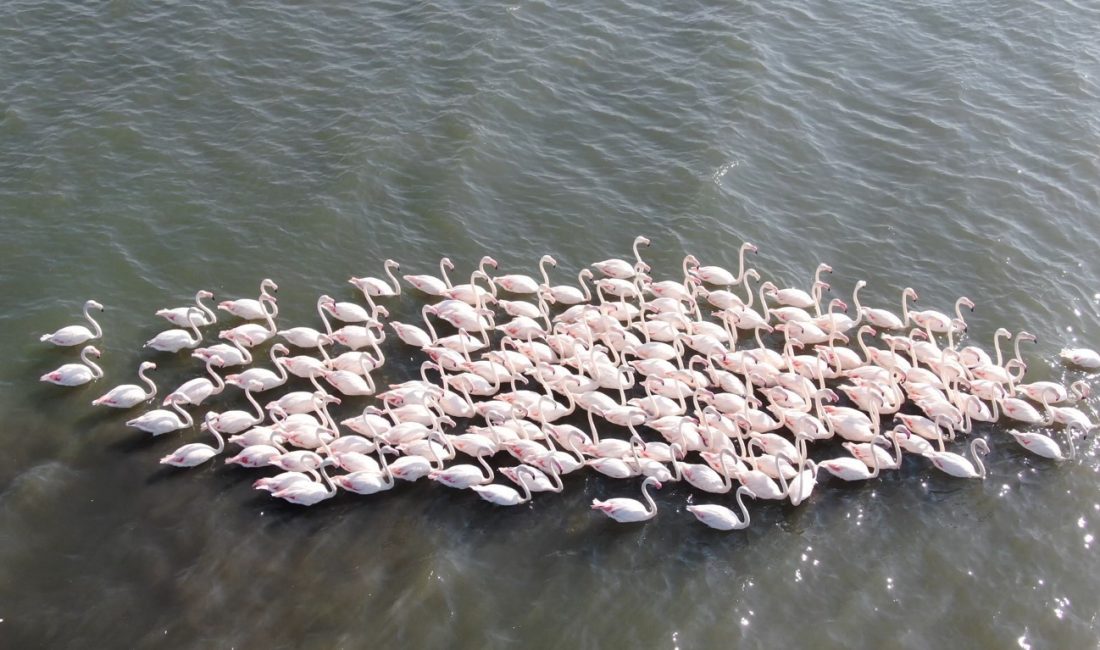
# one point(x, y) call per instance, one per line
point(620, 374)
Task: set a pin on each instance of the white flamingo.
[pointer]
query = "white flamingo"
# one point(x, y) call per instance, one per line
point(125, 396)
point(75, 374)
point(77, 334)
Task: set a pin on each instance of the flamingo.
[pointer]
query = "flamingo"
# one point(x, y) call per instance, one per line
point(179, 315)
point(721, 517)
point(1083, 357)
point(1045, 446)
point(309, 493)
point(231, 354)
point(503, 495)
point(630, 510)
point(881, 318)
point(621, 269)
point(430, 284)
point(75, 374)
point(463, 476)
point(308, 337)
point(237, 421)
point(161, 421)
point(125, 396)
point(251, 309)
point(76, 334)
point(850, 468)
point(195, 391)
point(175, 340)
point(1054, 392)
point(569, 295)
point(196, 453)
point(958, 466)
point(266, 379)
point(368, 481)
point(521, 284)
point(280, 481)
point(940, 322)
point(376, 288)
point(250, 335)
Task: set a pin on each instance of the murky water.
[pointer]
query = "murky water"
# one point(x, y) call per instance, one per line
point(152, 151)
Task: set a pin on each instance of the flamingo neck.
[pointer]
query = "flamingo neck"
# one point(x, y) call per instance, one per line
point(210, 315)
point(976, 457)
point(187, 421)
point(152, 385)
point(95, 325)
point(443, 272)
point(744, 523)
point(97, 372)
point(219, 384)
point(649, 498)
point(741, 264)
point(393, 278)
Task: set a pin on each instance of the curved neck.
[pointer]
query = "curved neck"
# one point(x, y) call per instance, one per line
point(274, 360)
point(997, 347)
point(855, 301)
point(152, 386)
point(976, 457)
point(193, 324)
point(748, 292)
point(97, 372)
point(652, 509)
point(246, 355)
point(584, 286)
point(396, 284)
point(321, 407)
point(488, 470)
point(387, 476)
point(673, 451)
point(210, 315)
point(542, 269)
point(1016, 349)
point(427, 321)
point(218, 383)
point(741, 263)
point(324, 318)
point(186, 417)
point(526, 491)
point(863, 345)
point(1069, 440)
point(95, 325)
point(269, 315)
point(727, 482)
point(443, 272)
point(744, 523)
point(220, 438)
point(256, 405)
point(905, 307)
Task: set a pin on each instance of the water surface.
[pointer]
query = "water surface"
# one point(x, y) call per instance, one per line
point(152, 151)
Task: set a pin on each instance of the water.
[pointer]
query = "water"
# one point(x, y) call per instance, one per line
point(152, 151)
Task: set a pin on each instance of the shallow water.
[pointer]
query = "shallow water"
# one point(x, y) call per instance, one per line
point(152, 151)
